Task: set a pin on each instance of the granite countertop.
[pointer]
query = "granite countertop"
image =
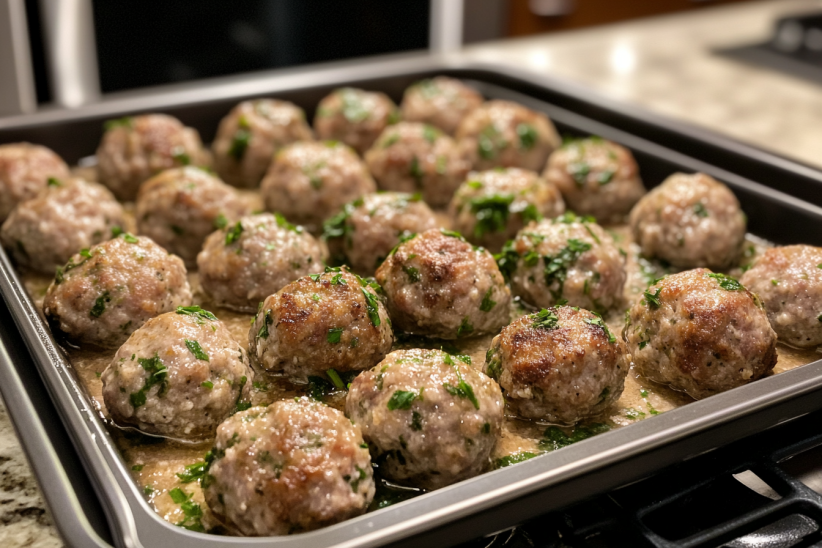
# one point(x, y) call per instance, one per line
point(664, 64)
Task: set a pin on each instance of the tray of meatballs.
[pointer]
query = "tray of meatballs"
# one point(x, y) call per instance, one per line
point(304, 325)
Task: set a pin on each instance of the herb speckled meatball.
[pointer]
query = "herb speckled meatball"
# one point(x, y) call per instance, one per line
point(136, 148)
point(414, 157)
point(568, 259)
point(24, 171)
point(430, 419)
point(442, 102)
point(245, 262)
point(103, 294)
point(180, 375)
point(355, 117)
point(67, 216)
point(311, 181)
point(490, 207)
point(180, 207)
point(365, 232)
point(323, 321)
point(249, 136)
point(290, 467)
point(700, 333)
point(502, 133)
point(439, 285)
point(789, 281)
point(596, 177)
point(690, 221)
point(560, 365)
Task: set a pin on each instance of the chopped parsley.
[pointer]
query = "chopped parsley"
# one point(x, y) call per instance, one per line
point(415, 171)
point(489, 142)
point(491, 213)
point(487, 303)
point(100, 305)
point(137, 467)
point(402, 399)
point(699, 210)
point(554, 438)
point(416, 421)
point(372, 307)
point(451, 234)
point(318, 387)
point(430, 133)
point(726, 282)
point(556, 266)
point(579, 171)
point(220, 222)
point(239, 143)
point(465, 327)
point(116, 231)
point(53, 181)
point(530, 213)
point(507, 259)
point(605, 177)
point(652, 299)
point(157, 375)
point(126, 122)
point(198, 313)
point(598, 321)
point(130, 238)
point(240, 404)
point(193, 472)
point(262, 333)
point(463, 390)
point(207, 384)
point(335, 379)
point(353, 108)
point(516, 458)
point(234, 233)
point(334, 335)
point(192, 513)
point(413, 273)
point(528, 136)
point(545, 319)
point(196, 349)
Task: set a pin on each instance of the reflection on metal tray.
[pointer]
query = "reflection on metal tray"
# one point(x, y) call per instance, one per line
point(498, 499)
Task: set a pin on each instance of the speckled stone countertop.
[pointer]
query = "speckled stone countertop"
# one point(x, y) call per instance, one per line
point(664, 64)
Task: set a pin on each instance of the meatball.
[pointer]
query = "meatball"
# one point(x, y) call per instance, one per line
point(180, 375)
point(249, 136)
point(321, 322)
point(104, 294)
point(559, 365)
point(365, 232)
point(309, 182)
point(24, 171)
point(180, 207)
point(430, 419)
point(67, 216)
point(439, 285)
point(492, 206)
point(442, 102)
point(690, 221)
point(133, 149)
point(245, 262)
point(596, 177)
point(789, 282)
point(700, 333)
point(355, 117)
point(567, 260)
point(293, 466)
point(413, 157)
point(502, 133)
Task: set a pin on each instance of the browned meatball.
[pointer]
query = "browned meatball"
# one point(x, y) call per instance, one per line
point(561, 364)
point(789, 282)
point(502, 133)
point(309, 182)
point(24, 171)
point(69, 215)
point(442, 102)
point(490, 207)
point(365, 232)
point(439, 285)
point(180, 207)
point(135, 148)
point(249, 136)
point(355, 117)
point(690, 221)
point(104, 294)
point(321, 322)
point(701, 333)
point(596, 177)
point(414, 157)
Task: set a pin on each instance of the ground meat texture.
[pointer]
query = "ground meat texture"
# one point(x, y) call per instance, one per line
point(429, 418)
point(490, 207)
point(789, 282)
point(290, 467)
point(560, 365)
point(700, 333)
point(318, 323)
point(133, 149)
point(596, 177)
point(366, 231)
point(569, 259)
point(414, 157)
point(442, 102)
point(502, 133)
point(309, 182)
point(102, 295)
point(180, 375)
point(246, 261)
point(690, 221)
point(24, 171)
point(439, 285)
point(180, 207)
point(67, 216)
point(249, 136)
point(355, 117)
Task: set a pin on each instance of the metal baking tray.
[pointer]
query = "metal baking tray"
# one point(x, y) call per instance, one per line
point(495, 500)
